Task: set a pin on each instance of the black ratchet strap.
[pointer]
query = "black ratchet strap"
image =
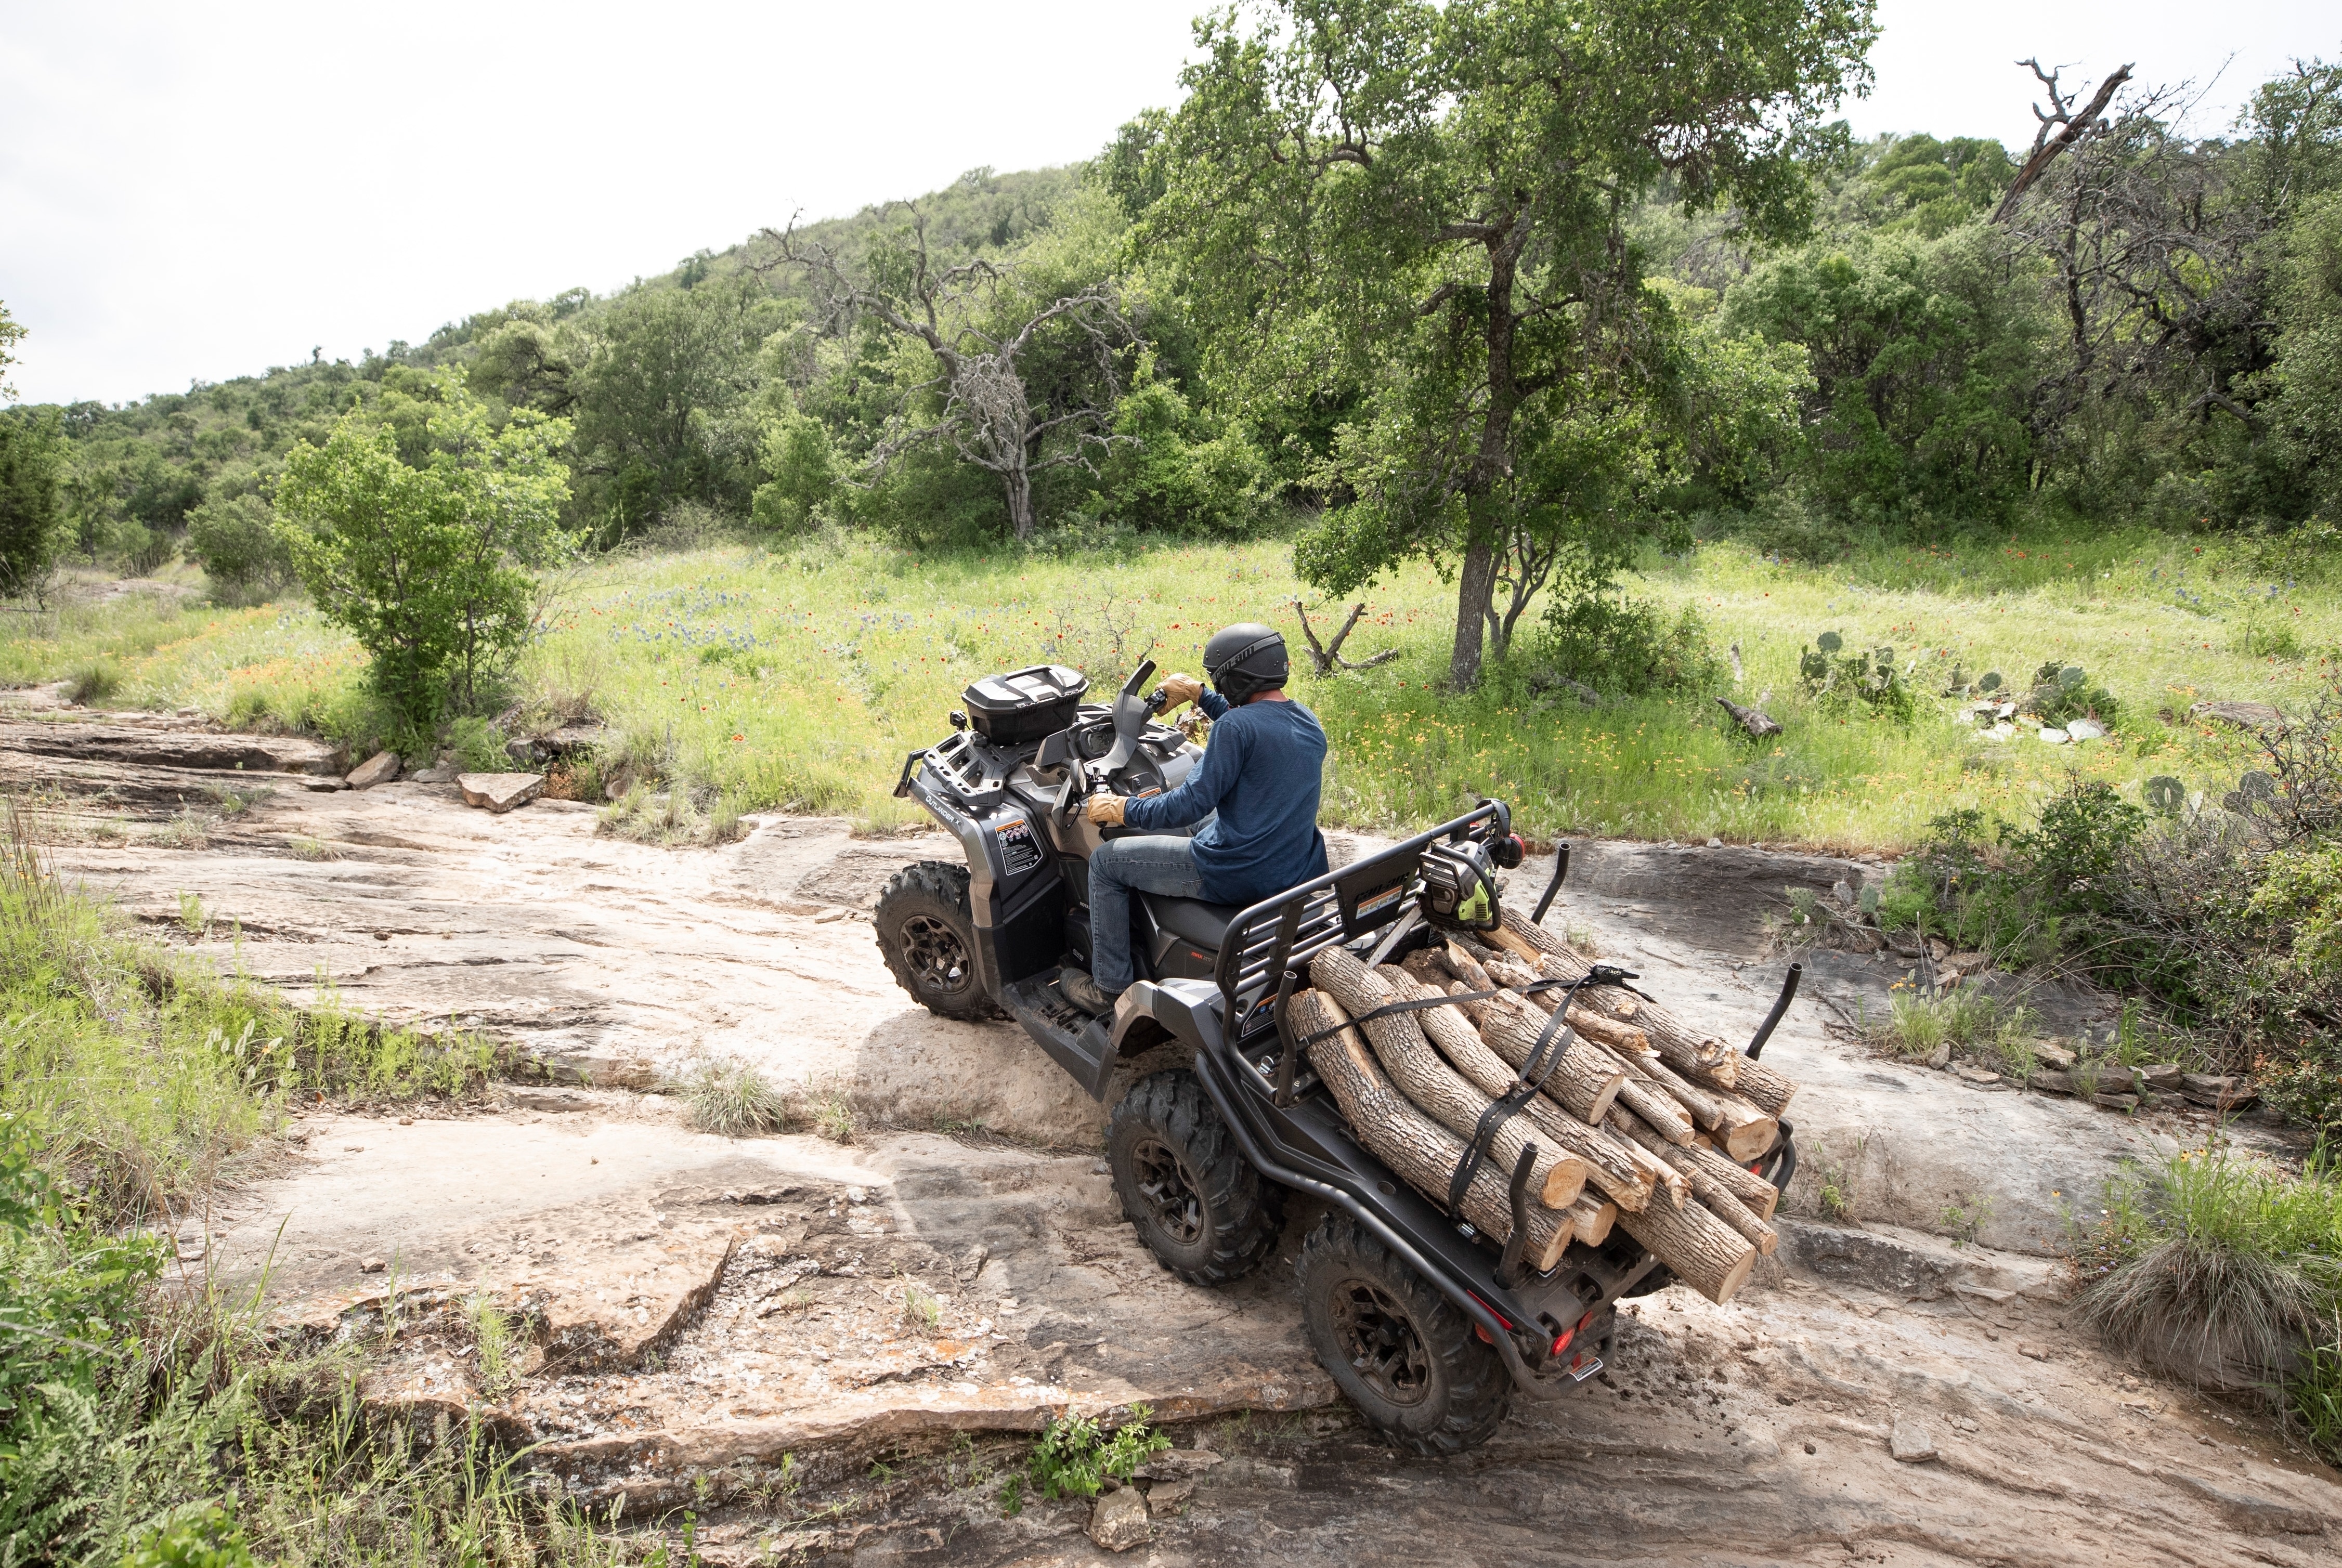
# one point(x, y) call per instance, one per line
point(1555, 1037)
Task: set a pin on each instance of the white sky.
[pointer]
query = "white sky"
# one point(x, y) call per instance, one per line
point(202, 190)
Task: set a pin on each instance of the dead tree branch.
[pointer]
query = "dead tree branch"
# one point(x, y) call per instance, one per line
point(988, 414)
point(1325, 656)
point(2070, 128)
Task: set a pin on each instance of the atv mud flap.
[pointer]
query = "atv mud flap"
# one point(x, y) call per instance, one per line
point(1075, 1040)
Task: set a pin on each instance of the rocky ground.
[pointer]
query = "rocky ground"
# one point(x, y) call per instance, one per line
point(829, 1349)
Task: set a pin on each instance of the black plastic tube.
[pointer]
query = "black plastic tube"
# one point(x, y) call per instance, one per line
point(1560, 870)
point(1780, 1006)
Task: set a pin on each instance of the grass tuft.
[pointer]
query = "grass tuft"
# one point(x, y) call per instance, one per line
point(2226, 1271)
point(731, 1098)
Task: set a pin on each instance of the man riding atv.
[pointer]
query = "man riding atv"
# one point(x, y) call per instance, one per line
point(1255, 798)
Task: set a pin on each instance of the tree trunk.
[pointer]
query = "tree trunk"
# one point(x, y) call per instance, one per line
point(1019, 483)
point(1411, 1143)
point(1436, 1088)
point(1610, 1165)
point(1475, 587)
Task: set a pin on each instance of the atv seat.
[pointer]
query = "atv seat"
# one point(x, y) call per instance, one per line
point(1193, 921)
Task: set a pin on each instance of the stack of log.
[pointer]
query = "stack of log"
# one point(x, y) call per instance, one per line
point(1643, 1123)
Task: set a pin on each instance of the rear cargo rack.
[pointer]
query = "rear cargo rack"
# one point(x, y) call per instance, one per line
point(1272, 942)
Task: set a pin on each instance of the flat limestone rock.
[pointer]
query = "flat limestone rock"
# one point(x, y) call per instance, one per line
point(2244, 716)
point(1909, 1443)
point(145, 745)
point(499, 792)
point(380, 768)
point(1118, 1521)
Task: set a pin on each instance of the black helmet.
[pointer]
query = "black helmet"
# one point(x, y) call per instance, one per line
point(1245, 660)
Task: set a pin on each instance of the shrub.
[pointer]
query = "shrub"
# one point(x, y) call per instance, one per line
point(730, 1098)
point(241, 548)
point(430, 567)
point(32, 520)
point(1624, 646)
point(1075, 1458)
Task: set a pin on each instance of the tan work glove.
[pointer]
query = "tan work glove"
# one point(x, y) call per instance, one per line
point(1180, 689)
point(1104, 809)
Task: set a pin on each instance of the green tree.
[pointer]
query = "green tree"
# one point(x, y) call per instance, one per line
point(430, 567)
point(12, 333)
point(1431, 201)
point(662, 380)
point(1924, 353)
point(32, 520)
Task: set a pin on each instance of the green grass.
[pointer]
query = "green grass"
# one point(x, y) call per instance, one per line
point(799, 677)
point(145, 1418)
point(2219, 1267)
point(1976, 1026)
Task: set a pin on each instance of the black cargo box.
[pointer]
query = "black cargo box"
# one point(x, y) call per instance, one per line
point(1025, 704)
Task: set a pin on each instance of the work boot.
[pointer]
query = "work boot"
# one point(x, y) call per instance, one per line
point(1083, 992)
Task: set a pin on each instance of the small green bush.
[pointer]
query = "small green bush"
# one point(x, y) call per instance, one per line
point(1075, 1457)
point(237, 542)
point(1624, 646)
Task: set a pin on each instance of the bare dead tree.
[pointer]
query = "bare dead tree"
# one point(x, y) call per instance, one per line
point(988, 414)
point(2060, 128)
point(1325, 656)
point(2155, 268)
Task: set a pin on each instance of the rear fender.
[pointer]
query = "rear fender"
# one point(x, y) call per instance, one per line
point(1187, 1011)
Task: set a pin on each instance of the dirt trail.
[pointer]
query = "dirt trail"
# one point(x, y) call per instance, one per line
point(733, 1309)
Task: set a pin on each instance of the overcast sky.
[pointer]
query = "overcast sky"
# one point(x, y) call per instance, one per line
point(202, 190)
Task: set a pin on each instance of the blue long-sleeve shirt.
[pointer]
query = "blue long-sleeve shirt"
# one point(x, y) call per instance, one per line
point(1262, 772)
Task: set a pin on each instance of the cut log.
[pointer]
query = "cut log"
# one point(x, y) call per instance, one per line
point(1612, 1163)
point(1704, 1251)
point(1593, 1217)
point(1411, 1143)
point(1467, 968)
point(1766, 1087)
point(1657, 1107)
point(1424, 1076)
point(1760, 1196)
point(1510, 970)
point(1745, 1131)
point(1583, 1082)
point(1677, 1045)
point(1722, 1200)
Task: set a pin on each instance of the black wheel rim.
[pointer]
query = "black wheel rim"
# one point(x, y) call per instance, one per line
point(1379, 1342)
point(936, 955)
point(1171, 1199)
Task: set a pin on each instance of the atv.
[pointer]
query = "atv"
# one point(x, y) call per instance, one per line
point(1427, 1326)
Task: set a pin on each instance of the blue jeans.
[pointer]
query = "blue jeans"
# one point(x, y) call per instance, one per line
point(1151, 862)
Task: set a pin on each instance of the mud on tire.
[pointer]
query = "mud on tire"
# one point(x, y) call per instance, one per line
point(1199, 1205)
point(1400, 1352)
point(927, 934)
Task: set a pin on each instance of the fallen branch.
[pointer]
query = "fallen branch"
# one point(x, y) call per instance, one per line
point(1325, 657)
